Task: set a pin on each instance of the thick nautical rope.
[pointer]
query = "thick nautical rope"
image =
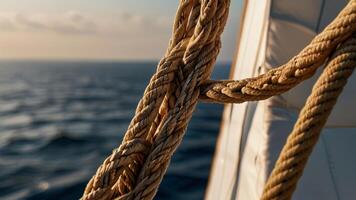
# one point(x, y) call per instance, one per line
point(117, 175)
point(312, 118)
point(136, 168)
point(287, 76)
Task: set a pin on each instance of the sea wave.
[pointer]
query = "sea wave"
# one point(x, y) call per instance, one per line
point(59, 121)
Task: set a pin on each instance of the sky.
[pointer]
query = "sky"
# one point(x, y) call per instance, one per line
point(94, 29)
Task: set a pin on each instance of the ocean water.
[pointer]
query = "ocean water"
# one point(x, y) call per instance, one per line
point(59, 121)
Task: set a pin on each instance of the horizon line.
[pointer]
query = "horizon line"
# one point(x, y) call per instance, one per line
point(87, 60)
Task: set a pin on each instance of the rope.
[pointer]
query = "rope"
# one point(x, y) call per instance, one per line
point(116, 176)
point(287, 76)
point(293, 158)
point(135, 169)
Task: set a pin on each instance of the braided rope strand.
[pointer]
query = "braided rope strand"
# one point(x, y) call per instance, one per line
point(287, 76)
point(116, 176)
point(136, 168)
point(202, 53)
point(312, 118)
point(112, 181)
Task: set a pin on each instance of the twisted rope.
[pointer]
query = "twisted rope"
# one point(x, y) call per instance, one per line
point(293, 158)
point(136, 168)
point(135, 171)
point(287, 76)
point(116, 176)
point(198, 59)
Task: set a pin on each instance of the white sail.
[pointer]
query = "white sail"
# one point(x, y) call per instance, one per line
point(253, 133)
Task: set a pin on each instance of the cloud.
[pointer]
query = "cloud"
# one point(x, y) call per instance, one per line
point(83, 35)
point(76, 23)
point(24, 21)
point(134, 25)
point(67, 23)
point(6, 25)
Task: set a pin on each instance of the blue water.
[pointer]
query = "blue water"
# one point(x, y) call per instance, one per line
point(59, 120)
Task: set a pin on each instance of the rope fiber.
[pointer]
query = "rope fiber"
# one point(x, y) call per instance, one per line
point(135, 169)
